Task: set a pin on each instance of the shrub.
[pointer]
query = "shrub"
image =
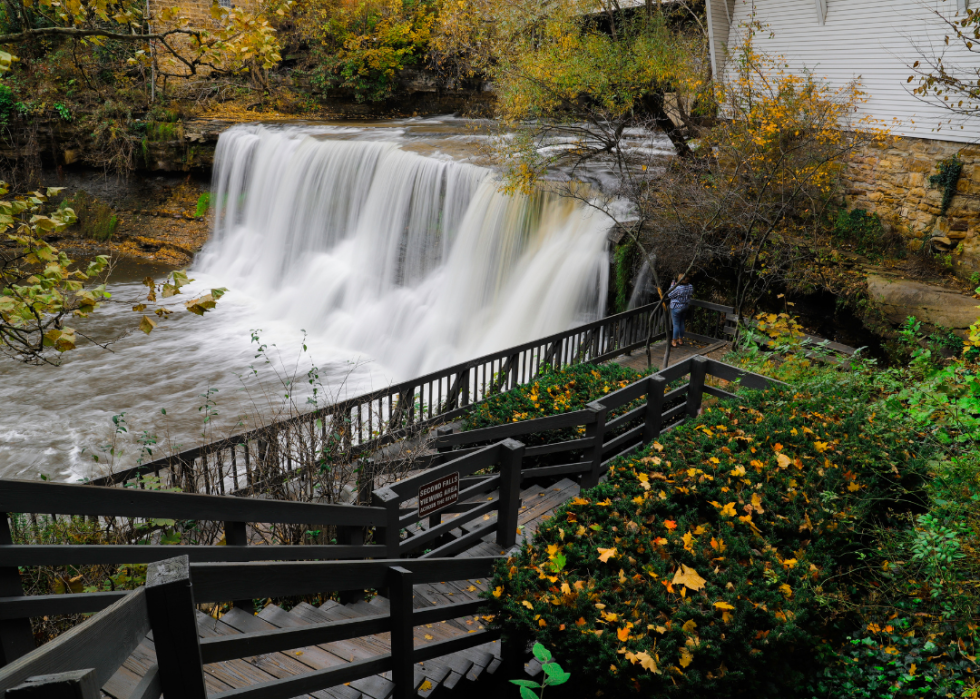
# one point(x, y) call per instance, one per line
point(716, 555)
point(899, 659)
point(95, 219)
point(203, 204)
point(862, 230)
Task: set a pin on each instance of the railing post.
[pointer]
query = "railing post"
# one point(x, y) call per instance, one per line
point(654, 422)
point(511, 459)
point(400, 592)
point(391, 536)
point(699, 369)
point(77, 684)
point(16, 637)
point(173, 619)
point(236, 534)
point(595, 431)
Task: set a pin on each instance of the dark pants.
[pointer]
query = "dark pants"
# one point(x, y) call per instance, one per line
point(677, 316)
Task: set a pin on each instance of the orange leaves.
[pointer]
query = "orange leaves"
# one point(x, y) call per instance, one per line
point(670, 524)
point(718, 545)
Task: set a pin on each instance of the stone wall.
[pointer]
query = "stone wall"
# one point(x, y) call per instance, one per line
point(892, 180)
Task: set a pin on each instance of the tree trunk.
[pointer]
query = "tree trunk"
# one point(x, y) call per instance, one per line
point(653, 103)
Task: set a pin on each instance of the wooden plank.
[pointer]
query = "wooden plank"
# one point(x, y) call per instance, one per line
point(634, 414)
point(238, 673)
point(711, 306)
point(625, 395)
point(516, 429)
point(719, 393)
point(311, 681)
point(84, 645)
point(55, 554)
point(400, 582)
point(73, 499)
point(559, 470)
point(435, 650)
point(433, 533)
point(557, 447)
point(460, 544)
point(672, 373)
point(746, 378)
point(218, 582)
point(625, 438)
point(254, 643)
point(76, 684)
point(444, 612)
point(465, 465)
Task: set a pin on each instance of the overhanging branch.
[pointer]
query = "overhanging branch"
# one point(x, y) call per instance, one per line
point(77, 33)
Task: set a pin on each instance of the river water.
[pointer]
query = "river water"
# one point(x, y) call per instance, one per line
point(365, 254)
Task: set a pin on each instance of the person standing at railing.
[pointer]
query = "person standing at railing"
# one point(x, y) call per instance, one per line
point(679, 295)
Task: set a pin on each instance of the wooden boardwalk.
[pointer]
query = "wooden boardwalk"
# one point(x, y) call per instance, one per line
point(438, 676)
point(715, 349)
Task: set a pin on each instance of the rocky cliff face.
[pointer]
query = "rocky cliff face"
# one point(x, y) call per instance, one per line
point(892, 180)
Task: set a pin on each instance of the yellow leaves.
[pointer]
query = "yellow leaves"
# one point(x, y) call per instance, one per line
point(425, 686)
point(821, 447)
point(738, 471)
point(645, 660)
point(689, 541)
point(786, 590)
point(527, 604)
point(606, 554)
point(498, 592)
point(757, 503)
point(644, 480)
point(727, 510)
point(686, 657)
point(783, 460)
point(689, 578)
point(724, 606)
point(580, 501)
point(853, 486)
point(718, 544)
point(689, 627)
point(790, 563)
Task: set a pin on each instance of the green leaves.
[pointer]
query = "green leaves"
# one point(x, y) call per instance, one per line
point(554, 674)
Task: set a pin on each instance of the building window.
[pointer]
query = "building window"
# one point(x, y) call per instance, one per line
point(224, 3)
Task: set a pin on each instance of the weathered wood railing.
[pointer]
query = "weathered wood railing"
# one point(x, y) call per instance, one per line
point(16, 609)
point(506, 482)
point(167, 607)
point(605, 437)
point(363, 424)
point(80, 661)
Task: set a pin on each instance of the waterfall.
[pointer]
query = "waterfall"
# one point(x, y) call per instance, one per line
point(412, 262)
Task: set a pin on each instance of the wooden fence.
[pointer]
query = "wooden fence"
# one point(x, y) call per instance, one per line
point(647, 409)
point(358, 426)
point(83, 659)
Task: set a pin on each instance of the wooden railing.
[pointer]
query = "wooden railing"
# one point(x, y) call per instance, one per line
point(363, 424)
point(607, 437)
point(506, 483)
point(56, 499)
point(87, 656)
point(174, 588)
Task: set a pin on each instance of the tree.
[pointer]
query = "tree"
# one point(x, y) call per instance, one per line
point(237, 40)
point(41, 288)
point(950, 76)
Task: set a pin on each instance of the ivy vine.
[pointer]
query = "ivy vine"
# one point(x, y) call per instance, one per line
point(946, 179)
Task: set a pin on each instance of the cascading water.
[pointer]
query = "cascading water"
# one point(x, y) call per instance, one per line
point(392, 262)
point(413, 262)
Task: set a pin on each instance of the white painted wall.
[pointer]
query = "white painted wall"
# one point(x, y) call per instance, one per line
point(874, 40)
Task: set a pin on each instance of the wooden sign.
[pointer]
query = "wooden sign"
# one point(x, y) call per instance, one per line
point(437, 494)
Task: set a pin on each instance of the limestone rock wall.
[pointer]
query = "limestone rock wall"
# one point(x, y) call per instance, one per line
point(892, 180)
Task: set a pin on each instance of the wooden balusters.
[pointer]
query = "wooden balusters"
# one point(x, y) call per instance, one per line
point(236, 534)
point(400, 593)
point(653, 422)
point(699, 370)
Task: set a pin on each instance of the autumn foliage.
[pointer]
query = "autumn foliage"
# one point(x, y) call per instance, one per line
point(718, 553)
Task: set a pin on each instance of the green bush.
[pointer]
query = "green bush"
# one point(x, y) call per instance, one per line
point(95, 219)
point(899, 660)
point(718, 554)
point(555, 392)
point(862, 230)
point(203, 204)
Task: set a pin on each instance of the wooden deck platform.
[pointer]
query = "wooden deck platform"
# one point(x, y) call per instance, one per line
point(442, 675)
point(715, 349)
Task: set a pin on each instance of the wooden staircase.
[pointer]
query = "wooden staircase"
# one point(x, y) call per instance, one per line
point(438, 677)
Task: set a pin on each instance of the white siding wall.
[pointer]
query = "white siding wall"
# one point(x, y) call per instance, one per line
point(873, 40)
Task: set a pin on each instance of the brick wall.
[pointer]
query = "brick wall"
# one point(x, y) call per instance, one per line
point(892, 180)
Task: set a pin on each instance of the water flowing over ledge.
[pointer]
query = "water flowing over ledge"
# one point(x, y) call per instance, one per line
point(393, 262)
point(413, 262)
